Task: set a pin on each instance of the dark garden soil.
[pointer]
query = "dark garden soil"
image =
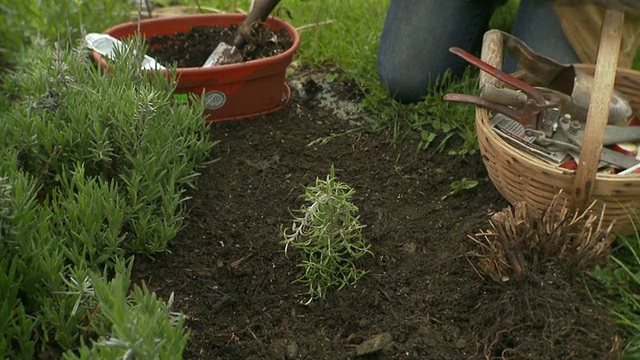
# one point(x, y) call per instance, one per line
point(422, 297)
point(192, 48)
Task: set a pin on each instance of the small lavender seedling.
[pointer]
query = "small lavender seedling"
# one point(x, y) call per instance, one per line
point(328, 235)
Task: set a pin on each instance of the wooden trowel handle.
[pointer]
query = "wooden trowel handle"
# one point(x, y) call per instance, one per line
point(259, 12)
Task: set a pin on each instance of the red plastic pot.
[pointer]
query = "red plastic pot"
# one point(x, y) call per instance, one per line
point(231, 92)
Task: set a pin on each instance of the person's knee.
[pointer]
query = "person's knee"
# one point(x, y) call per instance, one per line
point(415, 42)
point(410, 81)
point(401, 83)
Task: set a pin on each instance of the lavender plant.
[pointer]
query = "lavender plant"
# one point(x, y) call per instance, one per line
point(94, 169)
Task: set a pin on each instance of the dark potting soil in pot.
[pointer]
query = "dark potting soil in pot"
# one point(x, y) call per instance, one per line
point(192, 48)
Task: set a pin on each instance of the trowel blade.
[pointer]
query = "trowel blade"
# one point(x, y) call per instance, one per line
point(224, 54)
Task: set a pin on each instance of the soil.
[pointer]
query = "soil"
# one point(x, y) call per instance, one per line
point(192, 48)
point(422, 297)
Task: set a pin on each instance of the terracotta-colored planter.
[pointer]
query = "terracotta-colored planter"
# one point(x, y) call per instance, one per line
point(231, 92)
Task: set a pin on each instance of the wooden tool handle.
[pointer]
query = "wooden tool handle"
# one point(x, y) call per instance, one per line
point(259, 12)
point(604, 79)
point(504, 96)
point(492, 54)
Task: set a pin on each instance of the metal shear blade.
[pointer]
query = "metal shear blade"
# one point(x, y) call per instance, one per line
point(570, 136)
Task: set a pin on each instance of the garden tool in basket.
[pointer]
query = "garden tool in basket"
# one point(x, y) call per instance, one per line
point(528, 108)
point(556, 81)
point(230, 54)
point(537, 111)
point(568, 135)
point(563, 78)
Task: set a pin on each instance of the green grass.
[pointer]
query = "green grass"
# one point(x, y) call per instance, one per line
point(345, 34)
point(22, 22)
point(619, 289)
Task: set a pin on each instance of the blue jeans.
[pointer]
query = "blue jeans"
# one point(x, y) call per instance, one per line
point(417, 34)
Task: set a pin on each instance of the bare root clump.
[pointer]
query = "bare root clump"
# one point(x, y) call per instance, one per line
point(538, 309)
point(522, 242)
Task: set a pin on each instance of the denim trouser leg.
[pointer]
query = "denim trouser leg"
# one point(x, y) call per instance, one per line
point(416, 37)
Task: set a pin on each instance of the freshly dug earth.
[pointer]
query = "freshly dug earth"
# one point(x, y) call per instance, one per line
point(421, 298)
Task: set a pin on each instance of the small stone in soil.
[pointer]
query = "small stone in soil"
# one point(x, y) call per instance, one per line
point(374, 344)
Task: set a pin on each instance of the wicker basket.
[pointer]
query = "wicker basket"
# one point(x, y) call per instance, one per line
point(520, 176)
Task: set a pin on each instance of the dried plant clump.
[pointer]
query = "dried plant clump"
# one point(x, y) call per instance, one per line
point(521, 241)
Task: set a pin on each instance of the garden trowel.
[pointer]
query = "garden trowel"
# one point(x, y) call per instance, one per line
point(229, 54)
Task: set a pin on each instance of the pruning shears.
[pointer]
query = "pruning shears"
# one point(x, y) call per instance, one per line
point(535, 104)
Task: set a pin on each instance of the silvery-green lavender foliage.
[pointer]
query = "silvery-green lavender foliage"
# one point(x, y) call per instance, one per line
point(94, 169)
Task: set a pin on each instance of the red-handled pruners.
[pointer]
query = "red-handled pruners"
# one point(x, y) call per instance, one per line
point(531, 115)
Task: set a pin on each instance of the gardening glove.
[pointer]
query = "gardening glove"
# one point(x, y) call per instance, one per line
point(259, 13)
point(581, 22)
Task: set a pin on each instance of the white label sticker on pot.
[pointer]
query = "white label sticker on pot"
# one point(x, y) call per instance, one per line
point(214, 99)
